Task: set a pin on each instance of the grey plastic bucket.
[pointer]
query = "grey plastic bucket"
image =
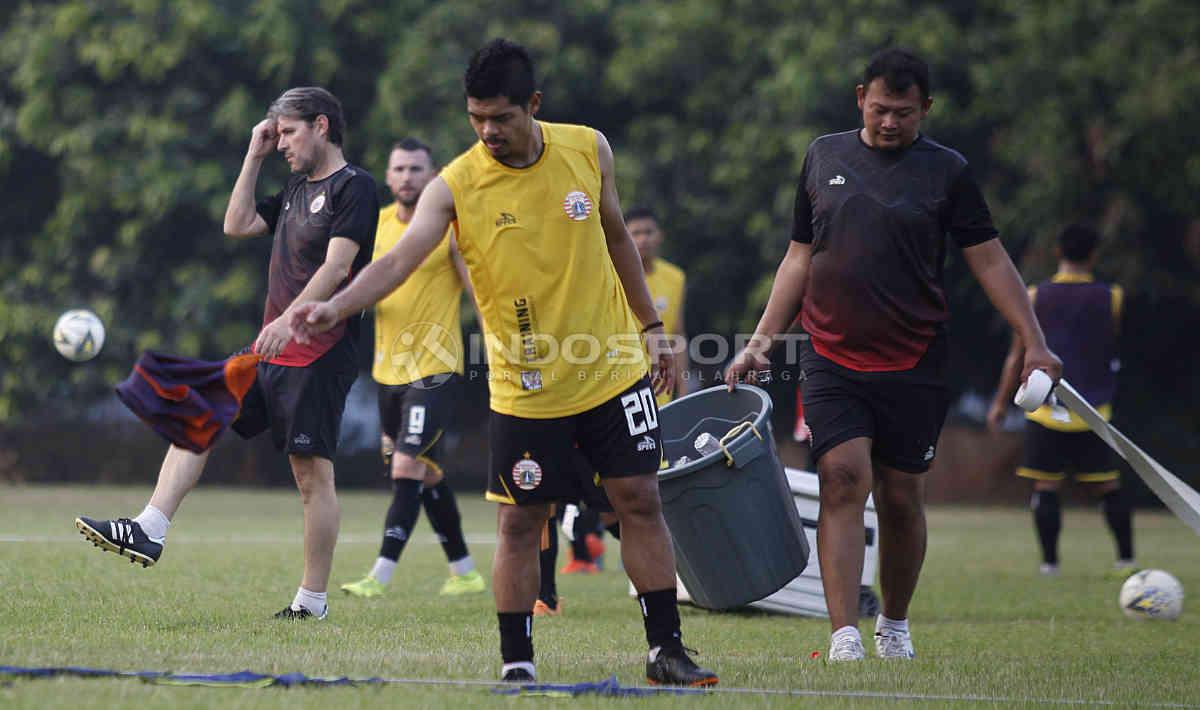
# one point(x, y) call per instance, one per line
point(736, 532)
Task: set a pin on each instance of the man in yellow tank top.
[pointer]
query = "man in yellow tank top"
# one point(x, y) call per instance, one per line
point(419, 366)
point(564, 302)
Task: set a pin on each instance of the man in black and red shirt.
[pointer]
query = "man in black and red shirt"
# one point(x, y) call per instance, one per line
point(864, 270)
point(323, 224)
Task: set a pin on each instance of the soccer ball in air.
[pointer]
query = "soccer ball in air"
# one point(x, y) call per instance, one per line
point(1152, 594)
point(78, 335)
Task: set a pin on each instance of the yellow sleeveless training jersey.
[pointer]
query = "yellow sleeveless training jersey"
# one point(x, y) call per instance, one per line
point(560, 334)
point(666, 282)
point(417, 329)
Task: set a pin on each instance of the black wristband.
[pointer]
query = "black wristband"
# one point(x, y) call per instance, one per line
point(655, 324)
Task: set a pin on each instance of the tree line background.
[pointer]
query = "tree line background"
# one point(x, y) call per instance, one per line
point(123, 124)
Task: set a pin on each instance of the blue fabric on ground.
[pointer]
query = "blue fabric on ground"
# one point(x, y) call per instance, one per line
point(609, 687)
point(244, 679)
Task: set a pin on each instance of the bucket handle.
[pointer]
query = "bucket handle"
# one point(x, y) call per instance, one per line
point(733, 433)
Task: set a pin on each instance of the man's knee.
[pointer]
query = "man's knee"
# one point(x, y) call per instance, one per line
point(635, 496)
point(406, 466)
point(313, 475)
point(522, 522)
point(843, 483)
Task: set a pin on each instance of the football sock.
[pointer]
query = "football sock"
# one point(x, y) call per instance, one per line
point(886, 624)
point(516, 637)
point(1118, 514)
point(401, 517)
point(153, 523)
point(1047, 517)
point(382, 571)
point(579, 548)
point(442, 511)
point(660, 613)
point(313, 601)
point(547, 558)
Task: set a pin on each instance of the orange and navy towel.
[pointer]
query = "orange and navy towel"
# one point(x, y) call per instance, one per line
point(188, 402)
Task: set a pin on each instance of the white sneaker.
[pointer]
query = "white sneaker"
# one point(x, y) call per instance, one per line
point(1048, 570)
point(846, 647)
point(893, 644)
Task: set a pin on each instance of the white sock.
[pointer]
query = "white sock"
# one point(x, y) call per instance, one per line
point(882, 623)
point(527, 665)
point(153, 523)
point(846, 631)
point(382, 571)
point(461, 567)
point(313, 601)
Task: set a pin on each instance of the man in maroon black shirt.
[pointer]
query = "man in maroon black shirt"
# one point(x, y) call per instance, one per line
point(864, 270)
point(323, 224)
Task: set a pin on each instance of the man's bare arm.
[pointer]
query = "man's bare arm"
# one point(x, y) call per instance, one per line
point(1004, 288)
point(339, 258)
point(241, 217)
point(621, 249)
point(434, 212)
point(787, 294)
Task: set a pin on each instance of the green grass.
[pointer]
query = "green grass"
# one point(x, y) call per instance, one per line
point(985, 624)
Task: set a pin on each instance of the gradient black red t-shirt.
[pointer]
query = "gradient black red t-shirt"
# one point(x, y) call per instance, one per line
point(304, 216)
point(877, 221)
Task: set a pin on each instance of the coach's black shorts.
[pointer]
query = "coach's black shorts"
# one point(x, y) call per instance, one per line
point(1050, 455)
point(416, 416)
point(902, 416)
point(549, 460)
point(302, 406)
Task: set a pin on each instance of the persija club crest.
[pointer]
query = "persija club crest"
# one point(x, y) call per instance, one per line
point(577, 205)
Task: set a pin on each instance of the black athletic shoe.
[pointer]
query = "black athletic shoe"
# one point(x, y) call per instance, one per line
point(122, 536)
point(518, 675)
point(293, 615)
point(673, 667)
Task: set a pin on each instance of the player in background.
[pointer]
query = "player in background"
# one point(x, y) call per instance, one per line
point(864, 270)
point(419, 368)
point(1081, 318)
point(667, 285)
point(539, 224)
point(323, 224)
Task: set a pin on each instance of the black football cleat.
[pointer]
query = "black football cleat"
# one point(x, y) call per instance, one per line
point(674, 667)
point(122, 536)
point(517, 675)
point(300, 614)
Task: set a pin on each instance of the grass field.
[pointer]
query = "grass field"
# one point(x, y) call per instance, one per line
point(985, 624)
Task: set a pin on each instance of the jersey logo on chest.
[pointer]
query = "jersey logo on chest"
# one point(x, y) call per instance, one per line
point(505, 219)
point(577, 205)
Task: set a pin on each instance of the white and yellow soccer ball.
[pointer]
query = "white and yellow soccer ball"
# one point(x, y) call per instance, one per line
point(79, 335)
point(1152, 594)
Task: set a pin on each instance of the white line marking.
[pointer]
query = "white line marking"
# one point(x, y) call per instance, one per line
point(184, 538)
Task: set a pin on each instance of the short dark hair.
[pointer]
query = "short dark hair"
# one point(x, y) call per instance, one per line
point(899, 68)
point(640, 212)
point(412, 145)
point(500, 68)
point(1078, 242)
point(305, 103)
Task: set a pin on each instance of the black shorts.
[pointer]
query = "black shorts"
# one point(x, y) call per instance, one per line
point(563, 459)
point(416, 416)
point(902, 416)
point(1050, 455)
point(302, 406)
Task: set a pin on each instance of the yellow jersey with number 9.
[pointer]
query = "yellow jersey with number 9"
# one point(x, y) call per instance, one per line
point(561, 338)
point(417, 329)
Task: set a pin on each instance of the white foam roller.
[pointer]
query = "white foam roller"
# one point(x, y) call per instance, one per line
point(1034, 392)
